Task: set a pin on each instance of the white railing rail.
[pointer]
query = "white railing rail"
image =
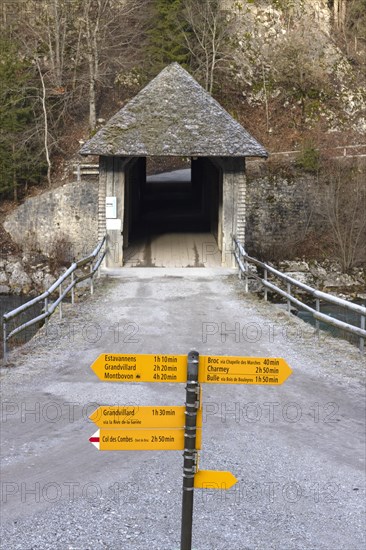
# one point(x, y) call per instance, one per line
point(243, 260)
point(94, 261)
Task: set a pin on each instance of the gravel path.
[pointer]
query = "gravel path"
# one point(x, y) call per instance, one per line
point(297, 449)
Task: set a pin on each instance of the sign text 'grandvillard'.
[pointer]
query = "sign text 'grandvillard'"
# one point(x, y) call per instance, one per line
point(173, 368)
point(140, 368)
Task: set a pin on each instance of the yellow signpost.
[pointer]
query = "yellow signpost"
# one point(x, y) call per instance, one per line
point(121, 367)
point(172, 439)
point(134, 428)
point(214, 479)
point(242, 370)
point(142, 417)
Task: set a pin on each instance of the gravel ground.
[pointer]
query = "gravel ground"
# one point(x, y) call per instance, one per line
point(297, 449)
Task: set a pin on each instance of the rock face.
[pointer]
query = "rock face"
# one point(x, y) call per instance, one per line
point(20, 276)
point(61, 221)
point(327, 277)
point(19, 281)
point(52, 228)
point(5, 289)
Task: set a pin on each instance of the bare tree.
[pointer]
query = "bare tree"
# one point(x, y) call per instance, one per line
point(76, 43)
point(351, 28)
point(92, 14)
point(342, 205)
point(107, 35)
point(210, 37)
point(46, 27)
point(339, 13)
point(45, 120)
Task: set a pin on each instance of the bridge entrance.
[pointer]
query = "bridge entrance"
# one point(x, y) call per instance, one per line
point(173, 221)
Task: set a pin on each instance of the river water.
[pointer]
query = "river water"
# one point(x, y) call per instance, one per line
point(9, 302)
point(337, 313)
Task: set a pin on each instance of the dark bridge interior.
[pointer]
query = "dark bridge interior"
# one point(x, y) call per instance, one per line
point(170, 203)
point(161, 208)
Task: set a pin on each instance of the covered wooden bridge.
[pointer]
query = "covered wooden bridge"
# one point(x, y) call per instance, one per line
point(173, 116)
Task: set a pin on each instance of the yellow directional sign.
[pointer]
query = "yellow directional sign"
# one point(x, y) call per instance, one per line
point(141, 439)
point(242, 370)
point(212, 479)
point(122, 367)
point(173, 368)
point(142, 417)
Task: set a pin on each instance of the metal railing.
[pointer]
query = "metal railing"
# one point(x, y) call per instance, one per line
point(243, 261)
point(49, 308)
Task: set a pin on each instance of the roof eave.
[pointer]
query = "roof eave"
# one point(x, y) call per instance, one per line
point(245, 154)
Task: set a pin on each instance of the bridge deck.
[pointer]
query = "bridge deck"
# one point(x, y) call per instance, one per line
point(174, 250)
point(297, 449)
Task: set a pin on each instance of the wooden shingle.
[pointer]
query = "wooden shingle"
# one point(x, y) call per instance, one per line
point(173, 116)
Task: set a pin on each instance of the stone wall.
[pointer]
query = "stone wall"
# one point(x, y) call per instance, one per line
point(279, 212)
point(66, 217)
point(287, 208)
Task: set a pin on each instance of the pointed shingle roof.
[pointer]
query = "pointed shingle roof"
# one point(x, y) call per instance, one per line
point(173, 116)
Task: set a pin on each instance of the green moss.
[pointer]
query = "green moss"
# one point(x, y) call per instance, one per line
point(308, 159)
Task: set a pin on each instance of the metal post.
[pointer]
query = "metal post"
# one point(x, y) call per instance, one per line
point(265, 288)
point(4, 342)
point(362, 339)
point(317, 323)
point(60, 305)
point(45, 310)
point(103, 250)
point(72, 290)
point(288, 301)
point(238, 255)
point(190, 453)
point(91, 279)
point(246, 276)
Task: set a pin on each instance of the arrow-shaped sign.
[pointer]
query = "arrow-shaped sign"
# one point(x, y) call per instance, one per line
point(212, 479)
point(121, 367)
point(115, 367)
point(141, 439)
point(142, 417)
point(242, 370)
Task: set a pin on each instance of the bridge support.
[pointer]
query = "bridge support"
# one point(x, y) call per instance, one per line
point(112, 184)
point(231, 205)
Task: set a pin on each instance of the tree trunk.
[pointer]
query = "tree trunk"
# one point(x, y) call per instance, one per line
point(15, 183)
point(340, 13)
point(45, 118)
point(265, 97)
point(58, 70)
point(92, 99)
point(335, 12)
point(92, 29)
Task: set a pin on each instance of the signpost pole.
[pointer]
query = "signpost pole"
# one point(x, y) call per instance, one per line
point(190, 453)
